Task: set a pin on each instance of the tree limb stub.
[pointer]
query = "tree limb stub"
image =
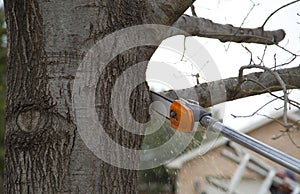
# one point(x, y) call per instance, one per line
point(230, 87)
point(206, 28)
point(166, 11)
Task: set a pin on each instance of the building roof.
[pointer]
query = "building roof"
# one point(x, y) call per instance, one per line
point(207, 146)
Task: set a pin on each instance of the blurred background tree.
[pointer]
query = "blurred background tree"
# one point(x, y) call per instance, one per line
point(3, 50)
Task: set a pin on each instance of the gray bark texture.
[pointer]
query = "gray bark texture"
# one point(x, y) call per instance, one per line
point(206, 28)
point(47, 40)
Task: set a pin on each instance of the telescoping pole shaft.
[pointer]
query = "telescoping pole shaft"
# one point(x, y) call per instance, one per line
point(267, 151)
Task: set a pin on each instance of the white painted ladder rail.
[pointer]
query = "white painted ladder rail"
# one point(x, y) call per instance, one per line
point(252, 163)
point(238, 174)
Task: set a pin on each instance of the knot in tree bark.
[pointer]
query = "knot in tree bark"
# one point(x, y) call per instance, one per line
point(30, 120)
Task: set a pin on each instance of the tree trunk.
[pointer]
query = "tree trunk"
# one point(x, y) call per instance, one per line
point(47, 40)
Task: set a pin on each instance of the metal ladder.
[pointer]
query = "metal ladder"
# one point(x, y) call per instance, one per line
point(248, 161)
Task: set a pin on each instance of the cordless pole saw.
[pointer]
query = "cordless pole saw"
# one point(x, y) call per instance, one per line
point(183, 115)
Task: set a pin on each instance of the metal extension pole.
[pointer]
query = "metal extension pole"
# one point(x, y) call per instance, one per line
point(267, 151)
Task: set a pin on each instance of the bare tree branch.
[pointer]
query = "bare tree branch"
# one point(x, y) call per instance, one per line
point(254, 113)
point(269, 90)
point(278, 78)
point(205, 91)
point(293, 128)
point(293, 141)
point(277, 11)
point(206, 28)
point(169, 12)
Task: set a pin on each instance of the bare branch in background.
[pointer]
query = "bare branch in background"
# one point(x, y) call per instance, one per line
point(288, 51)
point(242, 80)
point(286, 5)
point(184, 48)
point(275, 74)
point(255, 112)
point(263, 56)
point(278, 78)
point(287, 130)
point(244, 20)
point(293, 129)
point(269, 90)
point(292, 140)
point(286, 63)
point(251, 9)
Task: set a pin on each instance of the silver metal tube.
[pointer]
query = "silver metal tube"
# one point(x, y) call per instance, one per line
point(263, 149)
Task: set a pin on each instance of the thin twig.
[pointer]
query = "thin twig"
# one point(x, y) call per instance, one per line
point(283, 64)
point(288, 133)
point(286, 50)
point(245, 18)
point(263, 56)
point(279, 79)
point(184, 48)
point(277, 11)
point(193, 11)
point(269, 90)
point(292, 140)
point(275, 61)
point(251, 9)
point(271, 118)
point(255, 112)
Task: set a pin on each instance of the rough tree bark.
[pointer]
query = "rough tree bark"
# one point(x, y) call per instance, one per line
point(47, 41)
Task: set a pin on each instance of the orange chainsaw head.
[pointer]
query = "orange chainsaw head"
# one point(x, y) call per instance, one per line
point(181, 117)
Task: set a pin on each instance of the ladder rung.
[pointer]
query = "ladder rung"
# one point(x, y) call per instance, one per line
point(239, 173)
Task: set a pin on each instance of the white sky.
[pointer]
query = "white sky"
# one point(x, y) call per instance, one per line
point(229, 57)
